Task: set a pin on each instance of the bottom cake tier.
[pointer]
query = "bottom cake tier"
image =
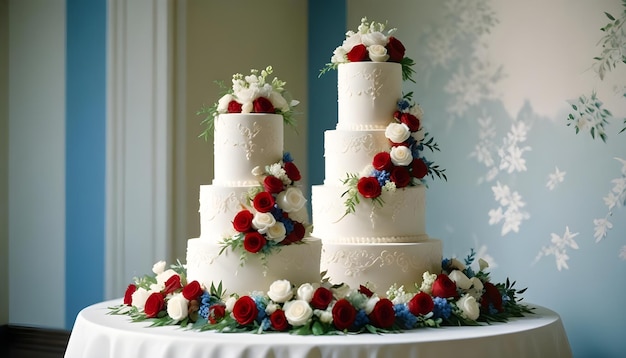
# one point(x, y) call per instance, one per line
point(298, 263)
point(381, 265)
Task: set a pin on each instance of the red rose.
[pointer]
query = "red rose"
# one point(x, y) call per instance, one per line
point(321, 298)
point(128, 296)
point(444, 287)
point(369, 187)
point(421, 304)
point(254, 242)
point(400, 176)
point(296, 235)
point(263, 105)
point(263, 202)
point(366, 291)
point(419, 168)
point(292, 171)
point(273, 185)
point(383, 315)
point(279, 321)
point(245, 310)
point(411, 121)
point(216, 313)
point(193, 290)
point(343, 314)
point(395, 49)
point(234, 107)
point(154, 304)
point(358, 53)
point(243, 221)
point(382, 161)
point(492, 297)
point(172, 284)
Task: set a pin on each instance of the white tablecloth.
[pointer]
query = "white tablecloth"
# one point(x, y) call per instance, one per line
point(97, 334)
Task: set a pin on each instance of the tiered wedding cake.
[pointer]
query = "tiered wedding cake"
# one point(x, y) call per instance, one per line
point(254, 225)
point(370, 210)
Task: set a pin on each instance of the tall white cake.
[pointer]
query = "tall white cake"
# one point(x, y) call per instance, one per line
point(242, 245)
point(370, 209)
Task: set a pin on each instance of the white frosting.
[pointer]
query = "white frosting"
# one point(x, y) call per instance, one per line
point(400, 219)
point(381, 265)
point(368, 93)
point(350, 151)
point(218, 207)
point(244, 141)
point(298, 263)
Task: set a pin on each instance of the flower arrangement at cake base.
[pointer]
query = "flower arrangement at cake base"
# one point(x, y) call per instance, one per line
point(457, 296)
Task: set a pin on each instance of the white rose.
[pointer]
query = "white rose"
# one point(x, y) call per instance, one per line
point(222, 104)
point(230, 303)
point(139, 297)
point(340, 291)
point(177, 307)
point(278, 101)
point(301, 215)
point(257, 171)
point(397, 132)
point(290, 200)
point(277, 232)
point(339, 55)
point(477, 283)
point(280, 291)
point(371, 302)
point(298, 312)
point(367, 171)
point(157, 287)
point(158, 267)
point(165, 275)
point(374, 38)
point(305, 292)
point(246, 107)
point(401, 155)
point(378, 53)
point(263, 221)
point(469, 307)
point(461, 280)
point(351, 41)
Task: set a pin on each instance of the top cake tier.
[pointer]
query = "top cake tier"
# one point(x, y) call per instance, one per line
point(243, 142)
point(367, 94)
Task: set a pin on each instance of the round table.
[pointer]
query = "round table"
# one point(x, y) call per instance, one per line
point(98, 334)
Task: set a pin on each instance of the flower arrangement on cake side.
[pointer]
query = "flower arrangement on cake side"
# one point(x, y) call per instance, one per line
point(372, 43)
point(403, 165)
point(275, 214)
point(457, 296)
point(253, 93)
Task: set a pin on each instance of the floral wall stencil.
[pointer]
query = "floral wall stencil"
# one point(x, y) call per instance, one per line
point(497, 80)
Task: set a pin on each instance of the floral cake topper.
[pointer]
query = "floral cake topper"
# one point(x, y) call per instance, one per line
point(372, 43)
point(253, 93)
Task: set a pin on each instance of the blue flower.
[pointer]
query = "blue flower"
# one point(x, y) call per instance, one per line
point(382, 176)
point(442, 308)
point(469, 272)
point(403, 104)
point(404, 317)
point(361, 319)
point(287, 157)
point(265, 324)
point(206, 301)
point(288, 224)
point(445, 263)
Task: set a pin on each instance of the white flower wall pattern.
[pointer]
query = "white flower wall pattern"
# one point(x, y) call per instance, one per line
point(558, 248)
point(555, 178)
point(616, 198)
point(510, 212)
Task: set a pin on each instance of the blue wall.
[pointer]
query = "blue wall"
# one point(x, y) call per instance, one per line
point(85, 154)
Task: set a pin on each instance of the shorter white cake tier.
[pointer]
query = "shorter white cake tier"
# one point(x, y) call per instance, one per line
point(381, 265)
point(298, 263)
point(350, 151)
point(220, 204)
point(400, 219)
point(243, 142)
point(367, 94)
